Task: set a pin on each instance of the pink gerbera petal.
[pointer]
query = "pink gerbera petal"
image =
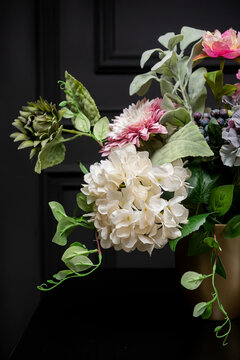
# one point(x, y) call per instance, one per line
point(136, 122)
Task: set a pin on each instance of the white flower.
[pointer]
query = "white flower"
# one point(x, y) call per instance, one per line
point(130, 211)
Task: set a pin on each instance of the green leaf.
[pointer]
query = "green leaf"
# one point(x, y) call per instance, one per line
point(228, 89)
point(72, 251)
point(196, 243)
point(197, 90)
point(196, 50)
point(177, 117)
point(83, 168)
point(159, 64)
point(232, 229)
point(182, 68)
point(173, 41)
point(188, 141)
point(146, 56)
point(208, 311)
point(221, 199)
point(52, 154)
point(199, 308)
point(79, 99)
point(67, 114)
point(194, 223)
point(215, 135)
point(191, 280)
point(79, 263)
point(164, 39)
point(81, 123)
point(64, 228)
point(219, 265)
point(167, 103)
point(101, 128)
point(57, 210)
point(211, 242)
point(63, 103)
point(62, 274)
point(141, 83)
point(82, 202)
point(214, 80)
point(166, 86)
point(201, 183)
point(190, 35)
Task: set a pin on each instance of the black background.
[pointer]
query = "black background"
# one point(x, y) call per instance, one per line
point(99, 43)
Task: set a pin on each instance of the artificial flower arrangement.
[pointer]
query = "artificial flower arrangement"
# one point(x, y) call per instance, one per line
point(170, 165)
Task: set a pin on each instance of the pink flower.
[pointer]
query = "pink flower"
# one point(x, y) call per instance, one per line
point(226, 45)
point(136, 122)
point(238, 74)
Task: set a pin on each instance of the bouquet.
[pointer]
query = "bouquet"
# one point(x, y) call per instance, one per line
point(170, 165)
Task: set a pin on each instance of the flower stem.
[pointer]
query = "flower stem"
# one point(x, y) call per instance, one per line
point(219, 328)
point(222, 62)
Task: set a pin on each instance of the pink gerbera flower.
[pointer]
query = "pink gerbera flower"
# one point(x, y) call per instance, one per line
point(136, 122)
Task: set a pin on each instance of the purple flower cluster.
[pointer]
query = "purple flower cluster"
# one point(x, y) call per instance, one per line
point(230, 152)
point(231, 133)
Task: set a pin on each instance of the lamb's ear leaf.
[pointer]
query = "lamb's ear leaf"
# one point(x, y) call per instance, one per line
point(190, 35)
point(188, 141)
point(141, 83)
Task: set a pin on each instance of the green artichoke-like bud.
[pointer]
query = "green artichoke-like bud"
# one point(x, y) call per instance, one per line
point(37, 124)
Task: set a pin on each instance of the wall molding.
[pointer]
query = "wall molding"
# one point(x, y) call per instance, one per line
point(110, 61)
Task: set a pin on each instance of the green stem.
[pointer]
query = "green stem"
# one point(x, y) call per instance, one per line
point(222, 62)
point(43, 286)
point(182, 89)
point(79, 133)
point(225, 335)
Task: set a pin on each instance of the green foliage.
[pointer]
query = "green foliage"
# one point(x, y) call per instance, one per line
point(200, 308)
point(62, 274)
point(197, 90)
point(197, 244)
point(101, 129)
point(202, 182)
point(83, 168)
point(215, 136)
point(208, 311)
point(66, 224)
point(220, 270)
point(232, 229)
point(178, 117)
point(164, 39)
point(65, 227)
point(79, 99)
point(214, 80)
point(141, 83)
point(191, 280)
point(194, 223)
point(82, 203)
point(81, 123)
point(147, 54)
point(188, 141)
point(211, 242)
point(221, 199)
point(190, 35)
point(79, 263)
point(57, 210)
point(53, 153)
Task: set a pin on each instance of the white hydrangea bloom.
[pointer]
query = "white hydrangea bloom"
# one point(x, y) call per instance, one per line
point(130, 211)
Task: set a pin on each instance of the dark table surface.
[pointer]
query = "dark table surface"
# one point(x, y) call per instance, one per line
point(122, 314)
